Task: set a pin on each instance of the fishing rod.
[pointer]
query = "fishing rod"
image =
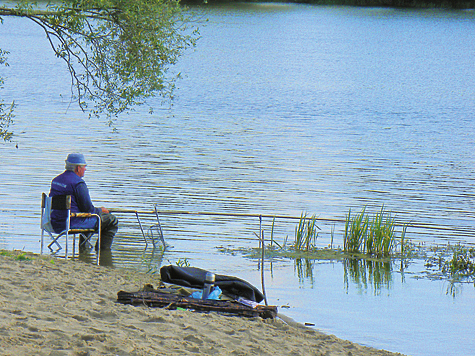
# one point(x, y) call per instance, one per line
point(278, 216)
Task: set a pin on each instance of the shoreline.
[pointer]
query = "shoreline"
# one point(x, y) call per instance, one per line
point(50, 306)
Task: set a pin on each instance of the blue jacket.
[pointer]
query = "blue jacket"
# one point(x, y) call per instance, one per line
point(69, 183)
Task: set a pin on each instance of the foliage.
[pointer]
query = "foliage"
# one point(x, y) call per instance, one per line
point(459, 268)
point(16, 255)
point(355, 231)
point(5, 253)
point(306, 233)
point(382, 234)
point(183, 263)
point(118, 52)
point(376, 237)
point(456, 264)
point(22, 257)
point(462, 263)
point(6, 110)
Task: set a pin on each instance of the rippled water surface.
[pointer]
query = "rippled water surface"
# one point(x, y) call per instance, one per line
point(282, 109)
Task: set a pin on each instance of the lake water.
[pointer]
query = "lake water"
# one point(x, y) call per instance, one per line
point(282, 109)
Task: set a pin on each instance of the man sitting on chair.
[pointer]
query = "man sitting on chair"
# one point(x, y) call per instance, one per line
point(70, 182)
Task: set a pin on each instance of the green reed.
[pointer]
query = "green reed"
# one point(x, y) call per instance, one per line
point(356, 230)
point(306, 233)
point(381, 233)
point(462, 262)
point(376, 237)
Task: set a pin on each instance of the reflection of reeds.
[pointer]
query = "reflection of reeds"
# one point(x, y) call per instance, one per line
point(363, 272)
point(376, 237)
point(306, 233)
point(304, 268)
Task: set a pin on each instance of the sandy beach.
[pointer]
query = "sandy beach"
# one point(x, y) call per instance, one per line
point(49, 306)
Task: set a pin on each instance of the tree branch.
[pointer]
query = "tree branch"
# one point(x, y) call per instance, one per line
point(117, 52)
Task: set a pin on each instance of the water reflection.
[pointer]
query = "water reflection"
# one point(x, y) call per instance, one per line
point(366, 272)
point(90, 256)
point(360, 272)
point(152, 262)
point(149, 262)
point(304, 269)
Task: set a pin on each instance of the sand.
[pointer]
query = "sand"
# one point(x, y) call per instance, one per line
point(49, 306)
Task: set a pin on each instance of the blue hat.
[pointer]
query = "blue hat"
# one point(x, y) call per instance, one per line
point(76, 158)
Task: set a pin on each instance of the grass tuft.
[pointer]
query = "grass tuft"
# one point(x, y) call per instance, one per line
point(375, 237)
point(356, 229)
point(306, 233)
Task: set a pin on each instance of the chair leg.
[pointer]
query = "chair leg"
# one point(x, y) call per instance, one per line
point(55, 241)
point(85, 240)
point(74, 245)
point(99, 242)
point(42, 240)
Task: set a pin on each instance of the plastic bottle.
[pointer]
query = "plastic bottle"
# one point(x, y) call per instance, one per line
point(215, 293)
point(209, 282)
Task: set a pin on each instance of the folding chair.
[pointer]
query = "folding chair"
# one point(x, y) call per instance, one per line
point(63, 202)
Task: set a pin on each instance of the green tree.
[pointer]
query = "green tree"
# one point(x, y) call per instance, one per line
point(6, 111)
point(118, 52)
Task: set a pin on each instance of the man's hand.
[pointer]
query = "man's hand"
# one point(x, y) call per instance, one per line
point(104, 210)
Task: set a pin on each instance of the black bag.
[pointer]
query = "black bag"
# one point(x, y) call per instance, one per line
point(193, 277)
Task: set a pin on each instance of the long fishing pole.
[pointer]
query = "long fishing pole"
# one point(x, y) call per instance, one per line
point(250, 215)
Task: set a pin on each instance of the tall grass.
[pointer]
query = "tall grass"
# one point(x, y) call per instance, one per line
point(306, 233)
point(356, 230)
point(376, 237)
point(381, 237)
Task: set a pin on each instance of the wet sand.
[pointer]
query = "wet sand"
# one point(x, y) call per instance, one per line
point(49, 306)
